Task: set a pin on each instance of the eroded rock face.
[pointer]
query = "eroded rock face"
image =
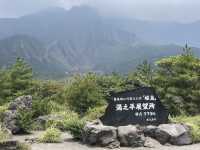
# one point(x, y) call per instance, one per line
point(10, 117)
point(97, 134)
point(131, 136)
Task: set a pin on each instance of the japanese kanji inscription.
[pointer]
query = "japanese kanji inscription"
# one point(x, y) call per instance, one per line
point(140, 106)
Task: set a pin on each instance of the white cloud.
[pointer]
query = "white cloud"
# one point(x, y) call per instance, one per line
point(166, 10)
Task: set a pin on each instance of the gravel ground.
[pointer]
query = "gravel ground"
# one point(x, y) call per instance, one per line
point(70, 144)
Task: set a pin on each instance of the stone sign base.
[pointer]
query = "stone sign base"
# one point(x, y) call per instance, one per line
point(95, 133)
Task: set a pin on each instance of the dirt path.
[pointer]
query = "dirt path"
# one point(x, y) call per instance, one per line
point(70, 144)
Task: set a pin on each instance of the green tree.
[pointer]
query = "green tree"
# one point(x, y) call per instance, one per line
point(15, 81)
point(5, 86)
point(20, 77)
point(143, 76)
point(112, 83)
point(178, 81)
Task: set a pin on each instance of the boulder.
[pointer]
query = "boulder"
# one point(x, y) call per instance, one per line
point(22, 102)
point(151, 143)
point(94, 133)
point(150, 130)
point(176, 134)
point(10, 116)
point(131, 136)
point(10, 122)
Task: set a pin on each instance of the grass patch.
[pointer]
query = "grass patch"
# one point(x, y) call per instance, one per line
point(193, 122)
point(22, 146)
point(71, 122)
point(51, 135)
point(4, 134)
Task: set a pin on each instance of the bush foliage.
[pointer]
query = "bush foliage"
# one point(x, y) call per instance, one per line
point(177, 78)
point(84, 93)
point(95, 113)
point(24, 120)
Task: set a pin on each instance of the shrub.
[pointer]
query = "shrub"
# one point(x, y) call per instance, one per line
point(75, 127)
point(56, 107)
point(95, 113)
point(113, 83)
point(61, 123)
point(193, 122)
point(46, 106)
point(47, 97)
point(84, 93)
point(24, 120)
point(51, 135)
point(40, 107)
point(4, 134)
point(71, 123)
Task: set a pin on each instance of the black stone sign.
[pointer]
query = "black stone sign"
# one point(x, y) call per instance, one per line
point(140, 106)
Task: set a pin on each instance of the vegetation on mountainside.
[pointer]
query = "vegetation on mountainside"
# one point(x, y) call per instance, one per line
point(84, 97)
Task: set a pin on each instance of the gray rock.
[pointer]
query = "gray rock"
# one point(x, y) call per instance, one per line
point(162, 136)
point(10, 116)
point(130, 136)
point(176, 134)
point(150, 130)
point(22, 102)
point(182, 135)
point(97, 134)
point(10, 122)
point(151, 143)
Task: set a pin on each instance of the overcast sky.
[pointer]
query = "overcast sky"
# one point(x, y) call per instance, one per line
point(158, 10)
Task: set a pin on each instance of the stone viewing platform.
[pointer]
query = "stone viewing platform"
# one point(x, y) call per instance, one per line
point(135, 118)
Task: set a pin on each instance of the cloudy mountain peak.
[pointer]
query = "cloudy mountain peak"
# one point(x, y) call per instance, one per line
point(59, 41)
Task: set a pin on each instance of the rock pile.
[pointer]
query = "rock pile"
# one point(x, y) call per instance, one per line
point(10, 116)
point(95, 133)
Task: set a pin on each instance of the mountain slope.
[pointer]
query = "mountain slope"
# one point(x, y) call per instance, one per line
point(33, 51)
point(56, 42)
